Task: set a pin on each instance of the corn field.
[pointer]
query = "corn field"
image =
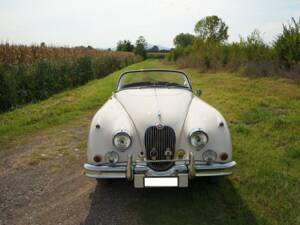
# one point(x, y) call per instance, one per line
point(18, 54)
point(32, 73)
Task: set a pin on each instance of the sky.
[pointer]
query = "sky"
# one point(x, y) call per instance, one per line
point(102, 23)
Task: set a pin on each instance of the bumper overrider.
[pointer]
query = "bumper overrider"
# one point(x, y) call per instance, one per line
point(137, 171)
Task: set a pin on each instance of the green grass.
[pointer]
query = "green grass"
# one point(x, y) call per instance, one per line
point(264, 118)
point(60, 108)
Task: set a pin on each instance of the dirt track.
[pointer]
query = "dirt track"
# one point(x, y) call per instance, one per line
point(42, 182)
point(35, 195)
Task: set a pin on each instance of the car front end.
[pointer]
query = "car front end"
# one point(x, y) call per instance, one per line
point(158, 137)
point(144, 176)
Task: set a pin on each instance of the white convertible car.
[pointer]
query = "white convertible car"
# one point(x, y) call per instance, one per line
point(156, 132)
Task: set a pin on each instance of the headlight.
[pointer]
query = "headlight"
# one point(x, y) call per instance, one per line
point(122, 140)
point(198, 138)
point(209, 156)
point(112, 157)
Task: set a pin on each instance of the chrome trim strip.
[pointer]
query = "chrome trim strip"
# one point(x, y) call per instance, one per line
point(216, 166)
point(105, 176)
point(144, 169)
point(216, 174)
point(105, 168)
point(166, 160)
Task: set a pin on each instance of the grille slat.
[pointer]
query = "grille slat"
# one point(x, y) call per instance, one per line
point(160, 140)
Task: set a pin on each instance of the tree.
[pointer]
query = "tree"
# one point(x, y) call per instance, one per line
point(155, 48)
point(212, 28)
point(254, 47)
point(183, 40)
point(125, 46)
point(255, 38)
point(287, 44)
point(140, 47)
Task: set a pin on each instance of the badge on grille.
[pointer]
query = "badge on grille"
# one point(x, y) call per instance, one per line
point(159, 126)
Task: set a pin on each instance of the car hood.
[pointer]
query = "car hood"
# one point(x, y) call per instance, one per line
point(151, 106)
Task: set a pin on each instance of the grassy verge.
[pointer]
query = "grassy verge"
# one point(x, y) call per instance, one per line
point(264, 118)
point(60, 108)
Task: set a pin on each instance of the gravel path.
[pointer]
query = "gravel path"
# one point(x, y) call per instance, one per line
point(42, 182)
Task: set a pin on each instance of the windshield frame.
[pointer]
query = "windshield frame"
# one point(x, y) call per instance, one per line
point(118, 88)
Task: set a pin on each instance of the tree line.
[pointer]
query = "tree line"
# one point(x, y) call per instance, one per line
point(208, 49)
point(141, 48)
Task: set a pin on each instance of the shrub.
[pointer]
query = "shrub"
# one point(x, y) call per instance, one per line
point(287, 45)
point(250, 55)
point(156, 55)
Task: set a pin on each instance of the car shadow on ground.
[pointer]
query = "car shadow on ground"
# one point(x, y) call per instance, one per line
point(204, 202)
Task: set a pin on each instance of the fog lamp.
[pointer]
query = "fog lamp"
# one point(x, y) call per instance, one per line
point(209, 156)
point(180, 153)
point(112, 157)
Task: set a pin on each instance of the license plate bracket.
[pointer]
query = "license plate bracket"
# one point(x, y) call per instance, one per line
point(161, 182)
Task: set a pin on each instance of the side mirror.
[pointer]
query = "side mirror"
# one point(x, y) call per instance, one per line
point(198, 92)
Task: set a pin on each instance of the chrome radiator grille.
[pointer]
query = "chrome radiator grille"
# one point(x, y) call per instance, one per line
point(160, 145)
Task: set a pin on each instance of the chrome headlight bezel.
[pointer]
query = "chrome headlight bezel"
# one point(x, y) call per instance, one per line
point(123, 133)
point(202, 132)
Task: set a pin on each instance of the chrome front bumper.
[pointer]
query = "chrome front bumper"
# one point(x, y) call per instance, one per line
point(138, 170)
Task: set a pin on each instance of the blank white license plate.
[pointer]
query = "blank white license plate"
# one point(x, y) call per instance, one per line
point(161, 181)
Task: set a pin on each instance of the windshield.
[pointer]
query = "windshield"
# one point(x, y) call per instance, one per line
point(153, 78)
